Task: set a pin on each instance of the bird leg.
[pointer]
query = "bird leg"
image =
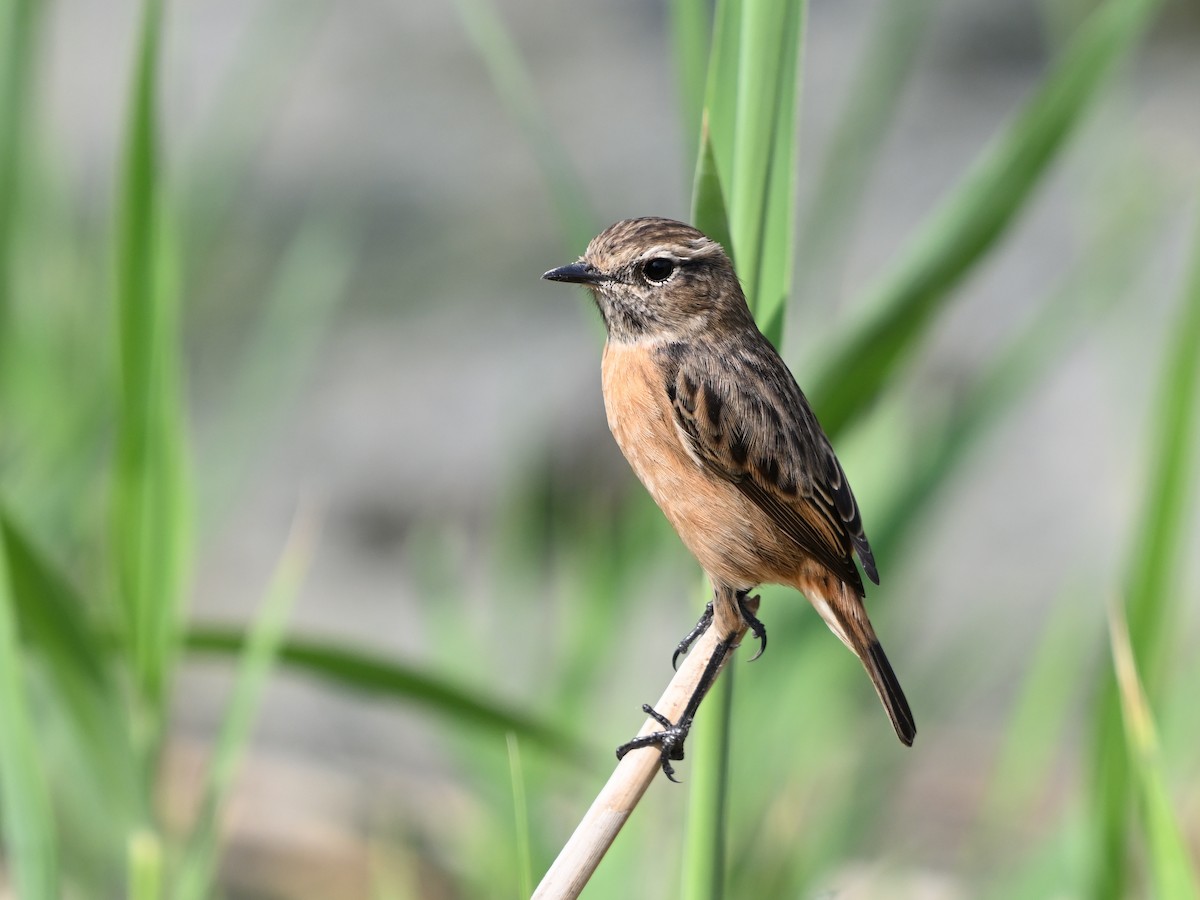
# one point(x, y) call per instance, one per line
point(690, 637)
point(756, 628)
point(670, 740)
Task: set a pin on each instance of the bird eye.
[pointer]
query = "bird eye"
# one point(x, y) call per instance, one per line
point(658, 269)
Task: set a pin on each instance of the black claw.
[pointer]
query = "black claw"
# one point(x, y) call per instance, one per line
point(690, 637)
point(669, 741)
point(756, 627)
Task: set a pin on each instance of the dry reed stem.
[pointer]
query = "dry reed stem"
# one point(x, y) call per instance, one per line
point(576, 862)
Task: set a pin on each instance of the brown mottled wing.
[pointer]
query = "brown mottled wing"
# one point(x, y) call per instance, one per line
point(744, 415)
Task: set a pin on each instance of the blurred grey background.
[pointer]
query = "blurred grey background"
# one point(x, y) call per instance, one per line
point(446, 370)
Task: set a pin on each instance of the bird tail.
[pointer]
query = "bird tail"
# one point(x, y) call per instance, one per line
point(847, 618)
point(887, 686)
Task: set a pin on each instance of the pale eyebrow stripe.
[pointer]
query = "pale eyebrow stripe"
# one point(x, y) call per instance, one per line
point(709, 248)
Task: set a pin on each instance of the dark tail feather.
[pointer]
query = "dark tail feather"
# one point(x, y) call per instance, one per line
point(890, 692)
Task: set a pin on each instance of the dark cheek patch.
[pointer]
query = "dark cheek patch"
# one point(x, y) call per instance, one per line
point(629, 321)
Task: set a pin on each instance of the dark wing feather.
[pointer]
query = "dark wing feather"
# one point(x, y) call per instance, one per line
point(743, 414)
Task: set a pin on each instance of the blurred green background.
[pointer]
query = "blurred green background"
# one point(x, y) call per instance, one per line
point(320, 574)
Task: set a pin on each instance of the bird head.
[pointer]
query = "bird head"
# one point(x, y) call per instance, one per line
point(657, 279)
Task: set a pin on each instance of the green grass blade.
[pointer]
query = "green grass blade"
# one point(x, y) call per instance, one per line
point(358, 670)
point(1152, 607)
point(149, 532)
point(520, 815)
point(1171, 867)
point(1106, 272)
point(754, 115)
point(31, 847)
point(18, 43)
point(54, 623)
point(51, 616)
point(976, 215)
point(145, 855)
point(1035, 731)
point(1159, 550)
point(750, 127)
point(516, 87)
point(690, 36)
point(704, 850)
point(777, 247)
point(259, 653)
point(721, 93)
point(768, 41)
point(708, 198)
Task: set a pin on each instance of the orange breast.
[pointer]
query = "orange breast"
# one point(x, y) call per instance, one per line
point(733, 539)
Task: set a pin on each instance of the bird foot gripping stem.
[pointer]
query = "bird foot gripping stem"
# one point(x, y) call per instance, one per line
point(669, 741)
point(752, 622)
point(671, 738)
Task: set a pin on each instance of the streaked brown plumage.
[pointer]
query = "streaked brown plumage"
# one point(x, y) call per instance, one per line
point(718, 431)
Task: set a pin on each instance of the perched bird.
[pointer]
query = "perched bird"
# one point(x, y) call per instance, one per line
point(716, 428)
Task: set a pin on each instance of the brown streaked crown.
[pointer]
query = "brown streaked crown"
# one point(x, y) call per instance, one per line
point(655, 278)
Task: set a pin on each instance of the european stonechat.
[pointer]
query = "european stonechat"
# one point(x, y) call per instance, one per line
point(718, 431)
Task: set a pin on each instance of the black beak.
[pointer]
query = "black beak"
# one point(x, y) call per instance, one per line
point(576, 273)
